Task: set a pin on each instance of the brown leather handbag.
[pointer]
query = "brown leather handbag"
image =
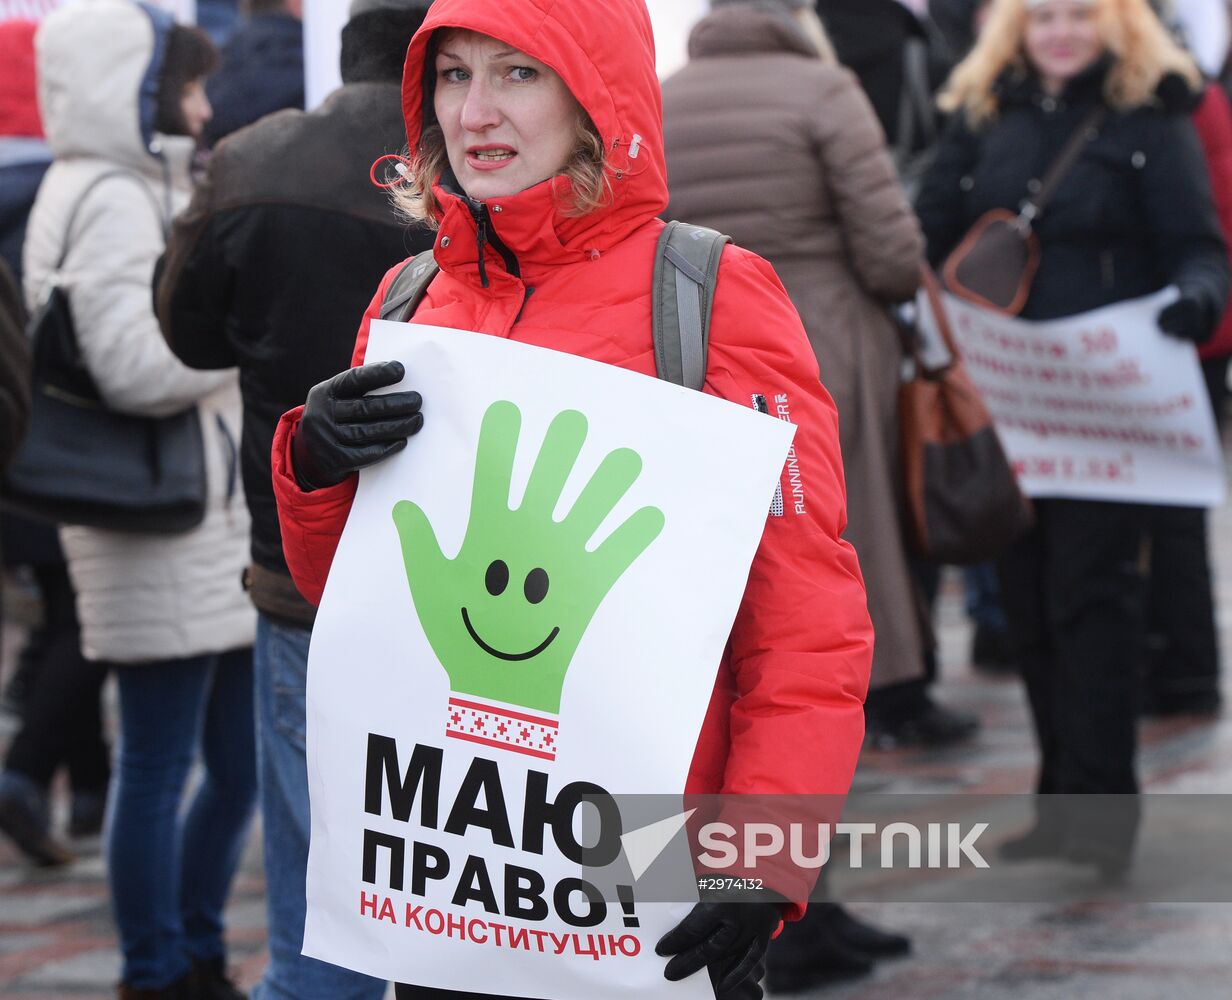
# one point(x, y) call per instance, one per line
point(996, 261)
point(963, 501)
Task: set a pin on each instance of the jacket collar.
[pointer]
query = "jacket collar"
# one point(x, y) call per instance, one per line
point(1018, 86)
point(519, 235)
point(1021, 87)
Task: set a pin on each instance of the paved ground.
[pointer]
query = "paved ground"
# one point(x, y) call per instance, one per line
point(56, 940)
point(1035, 951)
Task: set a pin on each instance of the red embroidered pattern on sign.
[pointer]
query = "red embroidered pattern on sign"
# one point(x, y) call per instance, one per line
point(507, 728)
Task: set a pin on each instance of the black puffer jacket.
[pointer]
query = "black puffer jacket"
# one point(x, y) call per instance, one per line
point(274, 261)
point(1133, 215)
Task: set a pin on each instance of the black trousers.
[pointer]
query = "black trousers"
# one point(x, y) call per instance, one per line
point(1182, 648)
point(1073, 591)
point(62, 723)
point(1181, 645)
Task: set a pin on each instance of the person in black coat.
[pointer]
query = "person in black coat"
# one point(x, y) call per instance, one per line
point(269, 269)
point(1134, 215)
point(261, 70)
point(272, 259)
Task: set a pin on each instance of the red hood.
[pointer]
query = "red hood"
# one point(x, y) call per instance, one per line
point(19, 113)
point(604, 52)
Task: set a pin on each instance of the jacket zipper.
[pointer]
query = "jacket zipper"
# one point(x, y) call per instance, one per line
point(481, 241)
point(484, 237)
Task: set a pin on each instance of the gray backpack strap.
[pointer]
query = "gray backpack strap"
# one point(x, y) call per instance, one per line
point(407, 289)
point(686, 270)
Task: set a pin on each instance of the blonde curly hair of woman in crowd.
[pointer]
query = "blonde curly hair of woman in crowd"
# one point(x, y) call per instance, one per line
point(1142, 50)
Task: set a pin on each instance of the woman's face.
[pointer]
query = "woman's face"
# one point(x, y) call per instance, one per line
point(509, 121)
point(1062, 39)
point(195, 108)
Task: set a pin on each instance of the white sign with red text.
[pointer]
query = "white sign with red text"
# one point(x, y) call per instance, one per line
point(1099, 406)
point(523, 619)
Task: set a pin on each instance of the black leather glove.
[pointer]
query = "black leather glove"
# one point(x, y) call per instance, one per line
point(1187, 319)
point(343, 430)
point(730, 938)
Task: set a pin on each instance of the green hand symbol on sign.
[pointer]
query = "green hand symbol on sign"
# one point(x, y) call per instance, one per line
point(505, 615)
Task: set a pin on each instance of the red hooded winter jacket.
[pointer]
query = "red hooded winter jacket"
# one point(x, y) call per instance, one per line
point(786, 715)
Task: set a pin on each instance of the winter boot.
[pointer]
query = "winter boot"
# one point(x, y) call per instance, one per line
point(863, 937)
point(808, 954)
point(24, 817)
point(184, 988)
point(212, 982)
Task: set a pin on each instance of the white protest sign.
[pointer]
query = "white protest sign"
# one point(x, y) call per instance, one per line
point(527, 603)
point(1098, 406)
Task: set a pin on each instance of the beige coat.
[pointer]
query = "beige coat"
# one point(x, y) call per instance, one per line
point(139, 597)
point(782, 152)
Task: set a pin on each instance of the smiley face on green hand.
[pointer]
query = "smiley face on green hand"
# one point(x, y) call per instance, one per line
point(506, 614)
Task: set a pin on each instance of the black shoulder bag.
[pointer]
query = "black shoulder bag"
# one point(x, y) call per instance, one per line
point(995, 264)
point(82, 463)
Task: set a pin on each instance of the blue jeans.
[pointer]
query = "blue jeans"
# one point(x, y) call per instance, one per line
point(170, 876)
point(281, 667)
point(982, 593)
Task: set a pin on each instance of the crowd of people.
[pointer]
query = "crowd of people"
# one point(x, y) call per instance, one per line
point(220, 246)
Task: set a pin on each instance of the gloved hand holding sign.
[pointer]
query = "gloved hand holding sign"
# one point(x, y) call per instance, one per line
point(1188, 318)
point(343, 430)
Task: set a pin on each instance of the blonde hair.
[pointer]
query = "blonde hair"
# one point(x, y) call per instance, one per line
point(1143, 52)
point(587, 171)
point(815, 31)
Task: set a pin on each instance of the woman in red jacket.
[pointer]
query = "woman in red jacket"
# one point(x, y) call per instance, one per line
point(535, 133)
